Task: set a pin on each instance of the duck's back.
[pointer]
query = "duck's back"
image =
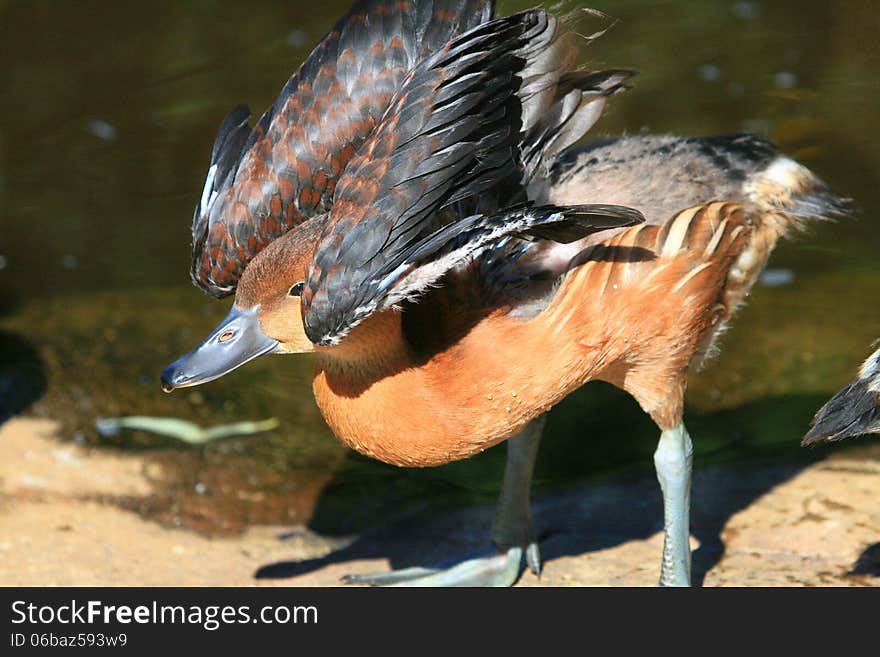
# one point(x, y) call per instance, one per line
point(660, 174)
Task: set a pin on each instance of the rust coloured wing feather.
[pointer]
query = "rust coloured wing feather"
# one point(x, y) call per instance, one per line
point(262, 182)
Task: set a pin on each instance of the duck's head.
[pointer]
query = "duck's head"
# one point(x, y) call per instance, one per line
point(265, 318)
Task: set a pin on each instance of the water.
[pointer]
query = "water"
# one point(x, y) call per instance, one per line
point(107, 116)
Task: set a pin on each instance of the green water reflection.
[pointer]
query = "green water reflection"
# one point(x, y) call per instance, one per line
point(107, 114)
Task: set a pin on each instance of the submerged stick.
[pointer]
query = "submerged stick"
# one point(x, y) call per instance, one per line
point(183, 430)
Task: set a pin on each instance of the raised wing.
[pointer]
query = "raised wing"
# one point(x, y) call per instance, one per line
point(427, 261)
point(450, 133)
point(261, 182)
point(413, 270)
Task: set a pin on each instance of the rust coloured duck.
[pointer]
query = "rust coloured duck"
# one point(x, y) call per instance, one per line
point(437, 338)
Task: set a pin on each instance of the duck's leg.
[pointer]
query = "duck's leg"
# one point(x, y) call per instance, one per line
point(512, 535)
point(673, 460)
point(512, 526)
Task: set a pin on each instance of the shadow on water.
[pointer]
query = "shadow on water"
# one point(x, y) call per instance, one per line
point(756, 443)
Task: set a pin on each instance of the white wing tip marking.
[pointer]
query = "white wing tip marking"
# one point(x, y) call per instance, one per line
point(208, 193)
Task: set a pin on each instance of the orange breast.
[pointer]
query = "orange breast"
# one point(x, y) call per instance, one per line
point(634, 321)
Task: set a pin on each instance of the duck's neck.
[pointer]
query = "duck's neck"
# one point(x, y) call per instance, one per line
point(387, 400)
point(374, 349)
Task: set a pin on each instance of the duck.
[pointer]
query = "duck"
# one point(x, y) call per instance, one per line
point(274, 156)
point(852, 411)
point(471, 331)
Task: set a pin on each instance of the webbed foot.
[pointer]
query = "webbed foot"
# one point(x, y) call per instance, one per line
point(490, 567)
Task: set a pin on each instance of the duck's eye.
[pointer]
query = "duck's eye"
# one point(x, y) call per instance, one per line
point(297, 290)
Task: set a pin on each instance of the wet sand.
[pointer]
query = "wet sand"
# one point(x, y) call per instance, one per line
point(66, 519)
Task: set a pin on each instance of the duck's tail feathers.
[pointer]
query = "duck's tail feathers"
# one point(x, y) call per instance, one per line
point(784, 197)
point(790, 196)
point(853, 411)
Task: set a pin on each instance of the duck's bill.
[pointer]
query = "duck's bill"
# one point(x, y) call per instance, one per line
point(237, 340)
point(853, 411)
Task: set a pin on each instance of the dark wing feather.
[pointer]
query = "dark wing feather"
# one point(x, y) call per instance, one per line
point(464, 237)
point(228, 144)
point(423, 263)
point(853, 411)
point(284, 171)
point(578, 102)
point(450, 133)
